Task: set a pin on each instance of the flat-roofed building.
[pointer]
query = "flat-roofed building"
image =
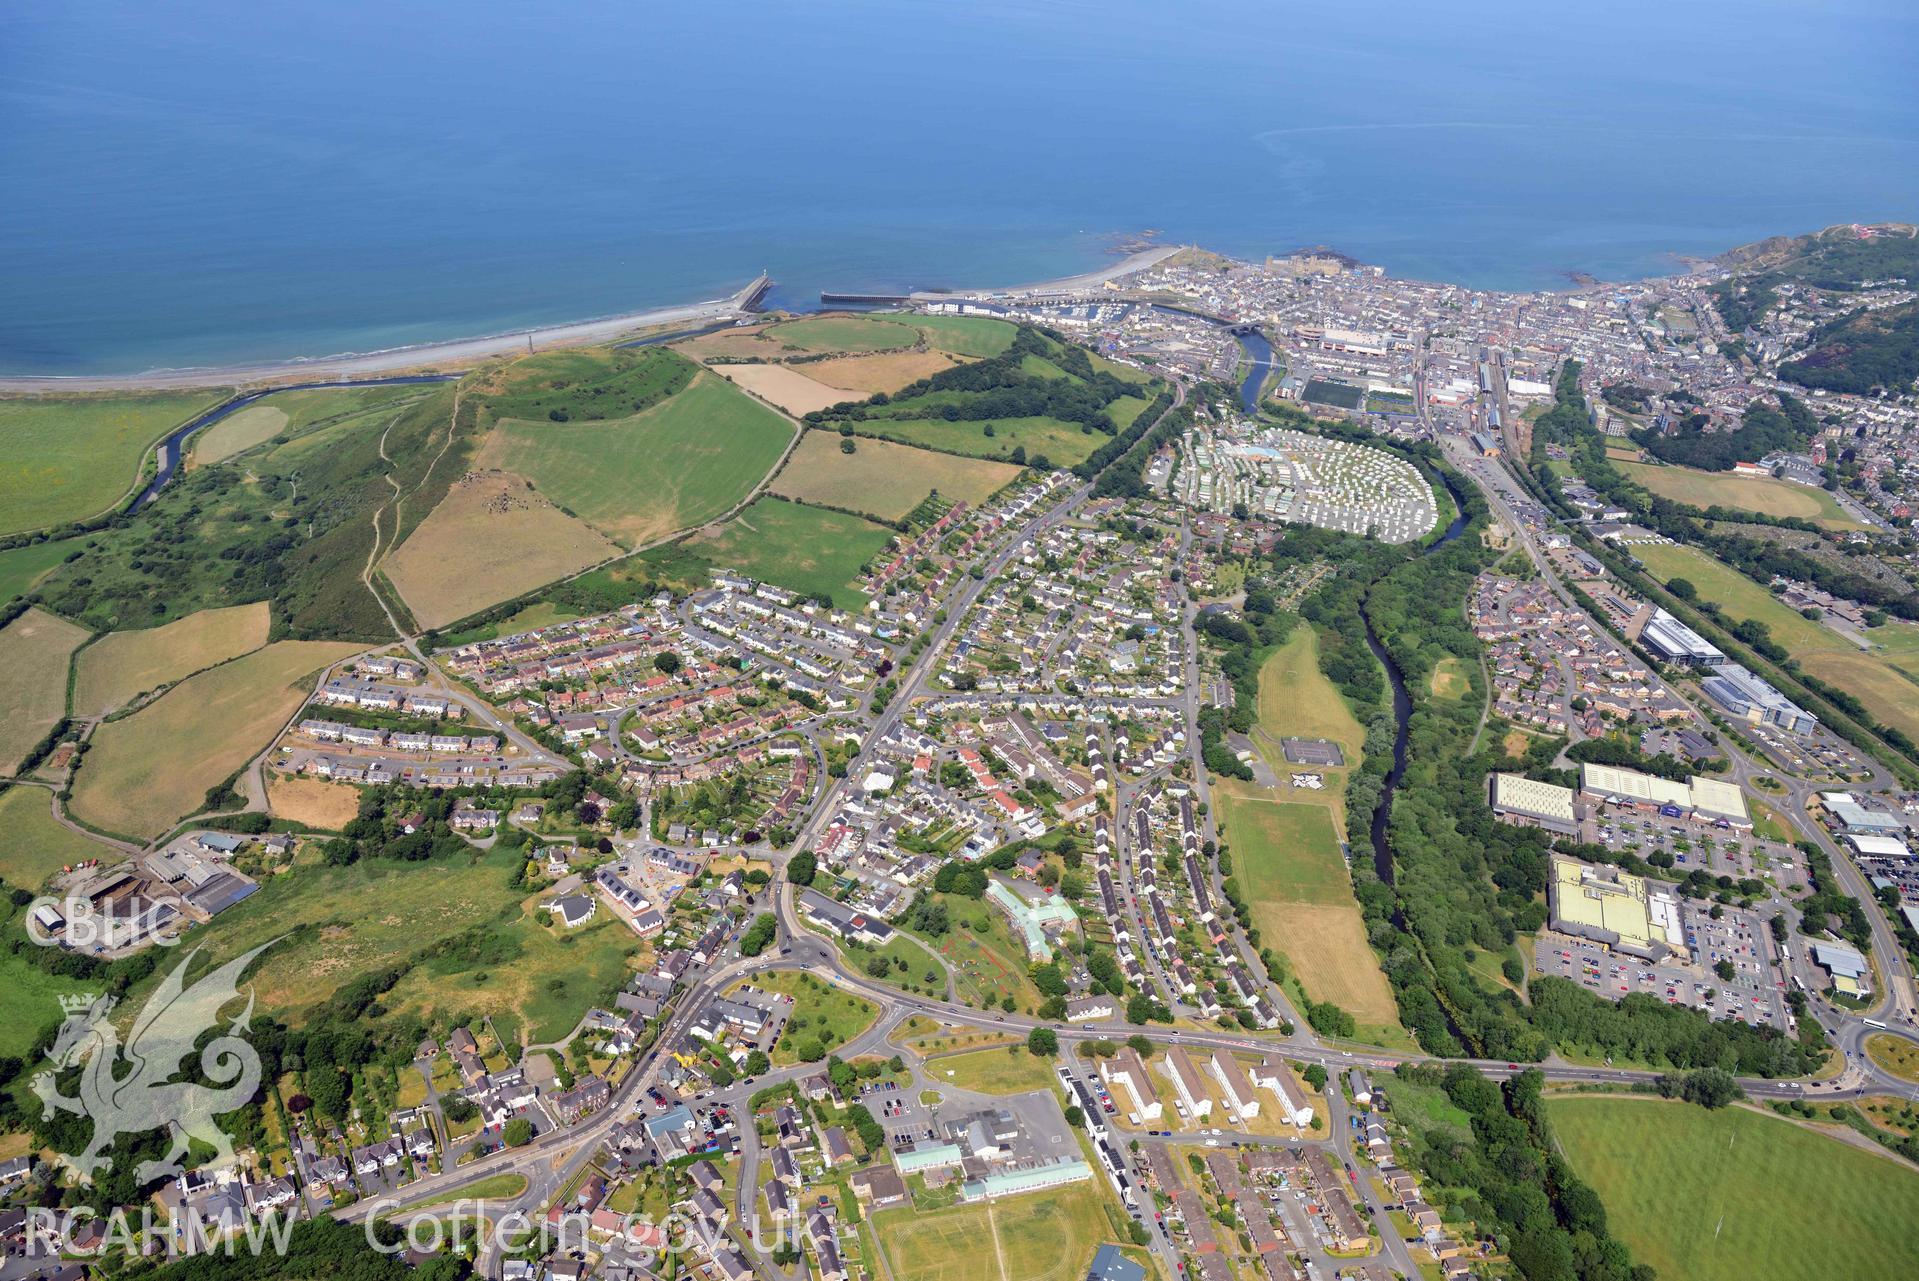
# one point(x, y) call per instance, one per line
point(1526, 802)
point(1851, 973)
point(1716, 800)
point(1706, 800)
point(1854, 817)
point(1870, 845)
point(1753, 699)
point(1675, 642)
point(1616, 909)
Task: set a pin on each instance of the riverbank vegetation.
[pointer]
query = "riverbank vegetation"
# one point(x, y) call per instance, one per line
point(1462, 886)
point(67, 458)
point(1505, 1173)
point(292, 524)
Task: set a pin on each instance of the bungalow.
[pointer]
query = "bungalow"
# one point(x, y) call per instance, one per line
point(842, 921)
point(574, 909)
point(879, 1187)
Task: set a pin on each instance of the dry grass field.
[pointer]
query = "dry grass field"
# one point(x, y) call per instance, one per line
point(33, 844)
point(312, 801)
point(1762, 494)
point(490, 539)
point(148, 770)
point(119, 667)
point(854, 332)
point(785, 387)
point(34, 649)
point(1287, 856)
point(254, 425)
point(884, 479)
point(887, 371)
point(1885, 679)
point(750, 343)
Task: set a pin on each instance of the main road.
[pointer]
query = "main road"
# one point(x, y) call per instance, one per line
point(551, 1159)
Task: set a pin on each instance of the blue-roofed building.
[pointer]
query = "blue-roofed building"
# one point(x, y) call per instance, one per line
point(1110, 1265)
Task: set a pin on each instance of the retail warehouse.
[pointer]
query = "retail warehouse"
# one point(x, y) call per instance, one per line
point(1703, 800)
point(1622, 911)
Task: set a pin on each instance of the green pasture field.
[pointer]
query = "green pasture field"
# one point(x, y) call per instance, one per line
point(1736, 1194)
point(847, 334)
point(35, 650)
point(677, 465)
point(65, 458)
point(33, 846)
point(21, 568)
point(805, 549)
point(961, 335)
point(1062, 443)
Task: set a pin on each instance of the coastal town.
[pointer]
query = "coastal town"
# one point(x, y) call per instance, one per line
point(1037, 883)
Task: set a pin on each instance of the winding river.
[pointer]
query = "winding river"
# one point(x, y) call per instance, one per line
point(170, 446)
point(1260, 353)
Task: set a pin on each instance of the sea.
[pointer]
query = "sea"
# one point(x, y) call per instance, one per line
point(214, 181)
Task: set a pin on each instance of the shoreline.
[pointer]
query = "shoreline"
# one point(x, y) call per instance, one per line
point(1126, 266)
point(458, 354)
point(445, 356)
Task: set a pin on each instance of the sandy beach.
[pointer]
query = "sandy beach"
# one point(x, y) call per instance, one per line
point(463, 353)
point(440, 357)
point(1085, 280)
